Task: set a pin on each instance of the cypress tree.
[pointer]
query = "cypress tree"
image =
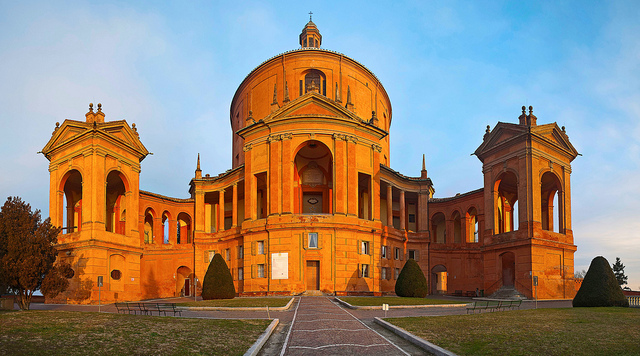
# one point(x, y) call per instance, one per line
point(218, 282)
point(411, 281)
point(600, 287)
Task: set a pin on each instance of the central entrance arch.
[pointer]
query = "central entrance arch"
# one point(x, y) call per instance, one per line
point(314, 178)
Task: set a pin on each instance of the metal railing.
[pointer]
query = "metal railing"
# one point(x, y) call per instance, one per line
point(634, 301)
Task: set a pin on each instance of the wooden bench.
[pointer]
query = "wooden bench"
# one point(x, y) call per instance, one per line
point(128, 307)
point(458, 293)
point(493, 305)
point(148, 308)
point(167, 308)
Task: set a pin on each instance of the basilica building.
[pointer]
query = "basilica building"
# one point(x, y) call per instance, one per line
point(311, 201)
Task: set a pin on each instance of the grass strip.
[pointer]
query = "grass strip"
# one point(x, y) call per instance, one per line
point(569, 331)
point(377, 301)
point(247, 302)
point(80, 333)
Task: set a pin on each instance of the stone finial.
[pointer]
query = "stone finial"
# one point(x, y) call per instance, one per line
point(198, 171)
point(564, 130)
point(374, 119)
point(286, 93)
point(423, 172)
point(250, 118)
point(275, 95)
point(523, 117)
point(487, 132)
point(97, 117)
point(532, 120)
point(349, 105)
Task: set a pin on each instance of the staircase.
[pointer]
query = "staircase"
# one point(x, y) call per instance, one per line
point(312, 293)
point(507, 293)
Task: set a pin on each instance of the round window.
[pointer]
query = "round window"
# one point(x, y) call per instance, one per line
point(116, 274)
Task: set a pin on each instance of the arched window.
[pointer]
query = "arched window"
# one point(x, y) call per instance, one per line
point(148, 226)
point(115, 203)
point(438, 228)
point(72, 211)
point(314, 81)
point(313, 178)
point(550, 195)
point(506, 187)
point(183, 230)
point(472, 225)
point(165, 227)
point(457, 227)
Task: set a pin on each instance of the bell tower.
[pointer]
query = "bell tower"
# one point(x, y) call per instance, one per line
point(527, 202)
point(93, 195)
point(310, 36)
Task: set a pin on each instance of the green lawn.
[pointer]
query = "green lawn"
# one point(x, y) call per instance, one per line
point(570, 331)
point(247, 302)
point(378, 301)
point(79, 333)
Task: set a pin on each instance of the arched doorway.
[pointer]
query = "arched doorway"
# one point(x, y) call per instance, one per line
point(506, 214)
point(72, 211)
point(508, 263)
point(115, 203)
point(313, 175)
point(550, 195)
point(184, 282)
point(439, 279)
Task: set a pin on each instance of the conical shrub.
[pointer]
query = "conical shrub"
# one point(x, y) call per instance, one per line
point(411, 281)
point(600, 287)
point(218, 283)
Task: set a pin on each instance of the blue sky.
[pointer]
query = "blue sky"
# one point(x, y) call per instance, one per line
point(450, 68)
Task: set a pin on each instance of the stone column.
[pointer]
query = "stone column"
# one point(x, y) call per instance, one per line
point(402, 211)
point(234, 218)
point(389, 205)
point(221, 210)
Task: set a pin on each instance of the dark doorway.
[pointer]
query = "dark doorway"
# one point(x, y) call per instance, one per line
point(508, 269)
point(313, 275)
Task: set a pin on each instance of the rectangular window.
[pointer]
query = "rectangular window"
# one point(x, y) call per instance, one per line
point(211, 254)
point(413, 254)
point(313, 240)
point(261, 248)
point(383, 273)
point(412, 218)
point(240, 273)
point(365, 248)
point(240, 252)
point(227, 255)
point(397, 255)
point(364, 272)
point(397, 273)
point(384, 253)
point(260, 273)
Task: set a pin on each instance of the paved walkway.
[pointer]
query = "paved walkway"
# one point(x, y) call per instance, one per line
point(321, 327)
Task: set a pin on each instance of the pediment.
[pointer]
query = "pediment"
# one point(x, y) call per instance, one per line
point(312, 105)
point(505, 134)
point(117, 132)
point(554, 136)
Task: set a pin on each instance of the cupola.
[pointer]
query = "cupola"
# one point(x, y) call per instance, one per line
point(310, 36)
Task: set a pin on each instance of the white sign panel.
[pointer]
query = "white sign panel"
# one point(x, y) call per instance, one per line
point(280, 265)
